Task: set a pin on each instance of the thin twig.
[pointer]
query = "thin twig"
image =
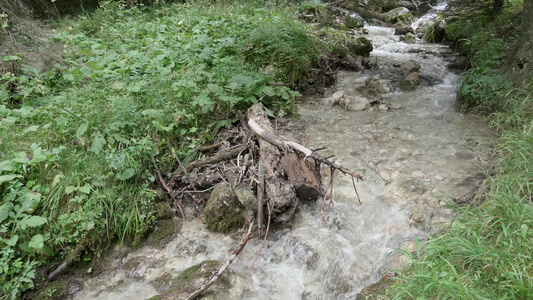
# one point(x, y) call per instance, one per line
point(264, 240)
point(356, 193)
point(215, 277)
point(165, 186)
point(331, 189)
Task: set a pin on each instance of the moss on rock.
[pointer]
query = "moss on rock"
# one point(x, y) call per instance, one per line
point(360, 46)
point(163, 210)
point(164, 231)
point(190, 279)
point(223, 211)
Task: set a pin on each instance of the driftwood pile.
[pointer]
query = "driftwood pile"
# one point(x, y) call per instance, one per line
point(251, 156)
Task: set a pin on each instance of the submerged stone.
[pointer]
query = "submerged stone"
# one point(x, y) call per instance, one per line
point(188, 280)
point(163, 233)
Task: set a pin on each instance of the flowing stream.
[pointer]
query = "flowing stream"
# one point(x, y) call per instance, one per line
point(415, 152)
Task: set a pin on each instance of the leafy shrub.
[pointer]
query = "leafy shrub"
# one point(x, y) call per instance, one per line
point(291, 51)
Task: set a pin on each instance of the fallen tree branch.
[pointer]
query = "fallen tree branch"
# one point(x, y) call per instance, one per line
point(284, 144)
point(215, 277)
point(165, 186)
point(220, 156)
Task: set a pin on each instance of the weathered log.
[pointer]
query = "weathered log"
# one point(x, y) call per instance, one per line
point(305, 182)
point(218, 157)
point(280, 193)
point(263, 130)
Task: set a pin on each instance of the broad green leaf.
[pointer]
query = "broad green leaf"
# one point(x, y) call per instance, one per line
point(154, 113)
point(68, 77)
point(242, 80)
point(215, 89)
point(29, 201)
point(22, 157)
point(38, 155)
point(97, 143)
point(11, 57)
point(126, 174)
point(81, 130)
point(32, 221)
point(85, 189)
point(4, 211)
point(57, 179)
point(7, 165)
point(8, 178)
point(12, 241)
point(69, 189)
point(37, 242)
point(32, 128)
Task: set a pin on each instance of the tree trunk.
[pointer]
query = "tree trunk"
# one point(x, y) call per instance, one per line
point(523, 55)
point(497, 6)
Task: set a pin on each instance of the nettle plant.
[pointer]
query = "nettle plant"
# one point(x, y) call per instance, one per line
point(22, 192)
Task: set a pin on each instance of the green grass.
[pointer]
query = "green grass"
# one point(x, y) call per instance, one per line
point(487, 253)
point(76, 142)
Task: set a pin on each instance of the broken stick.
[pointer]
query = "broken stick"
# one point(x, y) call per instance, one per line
point(220, 156)
point(215, 277)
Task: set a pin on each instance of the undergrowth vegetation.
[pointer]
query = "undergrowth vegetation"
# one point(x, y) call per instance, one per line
point(487, 252)
point(77, 142)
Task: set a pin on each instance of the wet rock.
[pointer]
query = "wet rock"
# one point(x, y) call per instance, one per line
point(410, 66)
point(410, 137)
point(223, 211)
point(396, 229)
point(439, 178)
point(163, 233)
point(418, 218)
point(189, 280)
point(404, 30)
point(432, 202)
point(460, 64)
point(410, 247)
point(248, 200)
point(399, 13)
point(383, 107)
point(337, 96)
point(402, 192)
point(407, 85)
point(409, 38)
point(354, 103)
point(364, 30)
point(163, 211)
point(399, 262)
point(163, 282)
point(413, 77)
point(376, 84)
point(385, 175)
point(360, 47)
point(375, 291)
point(418, 175)
point(136, 267)
point(328, 102)
point(367, 92)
